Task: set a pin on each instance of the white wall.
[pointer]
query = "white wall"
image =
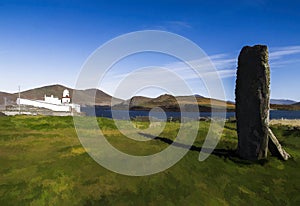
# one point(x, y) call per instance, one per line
point(37, 103)
point(52, 100)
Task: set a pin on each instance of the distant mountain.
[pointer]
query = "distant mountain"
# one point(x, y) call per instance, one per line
point(282, 101)
point(198, 95)
point(166, 101)
point(83, 97)
point(296, 104)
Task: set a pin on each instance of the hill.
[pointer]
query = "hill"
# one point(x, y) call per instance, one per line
point(171, 103)
point(38, 93)
point(166, 101)
point(9, 98)
point(84, 97)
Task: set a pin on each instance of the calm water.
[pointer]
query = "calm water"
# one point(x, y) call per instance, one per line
point(121, 114)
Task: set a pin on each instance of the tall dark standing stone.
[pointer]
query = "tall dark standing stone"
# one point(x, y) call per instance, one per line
point(252, 102)
point(252, 105)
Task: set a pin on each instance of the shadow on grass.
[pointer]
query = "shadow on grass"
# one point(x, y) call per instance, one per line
point(222, 153)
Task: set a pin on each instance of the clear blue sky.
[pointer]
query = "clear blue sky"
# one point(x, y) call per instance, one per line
point(46, 42)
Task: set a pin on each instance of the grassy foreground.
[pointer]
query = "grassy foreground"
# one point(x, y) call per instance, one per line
point(43, 163)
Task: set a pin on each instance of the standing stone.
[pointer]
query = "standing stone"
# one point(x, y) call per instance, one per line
point(252, 105)
point(252, 102)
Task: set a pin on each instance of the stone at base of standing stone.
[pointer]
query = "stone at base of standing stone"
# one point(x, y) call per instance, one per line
point(276, 148)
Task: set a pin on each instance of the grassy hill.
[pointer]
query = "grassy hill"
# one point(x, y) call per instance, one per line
point(163, 101)
point(169, 102)
point(43, 163)
point(83, 96)
point(38, 93)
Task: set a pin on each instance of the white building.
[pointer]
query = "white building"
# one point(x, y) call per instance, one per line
point(66, 99)
point(53, 103)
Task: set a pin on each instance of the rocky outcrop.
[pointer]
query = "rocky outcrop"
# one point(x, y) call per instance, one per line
point(252, 105)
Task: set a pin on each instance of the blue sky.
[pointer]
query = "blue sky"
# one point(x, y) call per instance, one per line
point(47, 42)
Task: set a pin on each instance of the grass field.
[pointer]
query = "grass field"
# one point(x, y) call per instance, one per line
point(43, 163)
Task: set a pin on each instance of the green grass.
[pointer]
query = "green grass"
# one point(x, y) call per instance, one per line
point(42, 163)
